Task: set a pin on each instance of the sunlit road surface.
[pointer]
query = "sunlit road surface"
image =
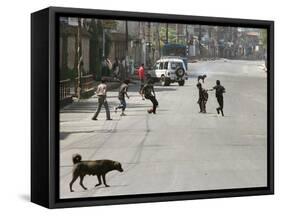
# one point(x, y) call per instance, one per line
point(178, 149)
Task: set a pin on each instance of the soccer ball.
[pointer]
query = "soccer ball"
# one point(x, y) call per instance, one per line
point(150, 110)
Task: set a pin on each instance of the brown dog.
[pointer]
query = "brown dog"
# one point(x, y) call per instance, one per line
point(98, 167)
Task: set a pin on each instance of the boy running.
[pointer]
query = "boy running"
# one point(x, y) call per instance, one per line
point(121, 96)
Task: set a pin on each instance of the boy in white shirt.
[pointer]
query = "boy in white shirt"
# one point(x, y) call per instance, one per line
point(101, 93)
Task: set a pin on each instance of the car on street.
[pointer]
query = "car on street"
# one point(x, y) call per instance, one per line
point(168, 70)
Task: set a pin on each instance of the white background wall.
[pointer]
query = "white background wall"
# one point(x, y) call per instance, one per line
point(15, 107)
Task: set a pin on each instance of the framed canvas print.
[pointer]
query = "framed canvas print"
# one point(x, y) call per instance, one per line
point(137, 107)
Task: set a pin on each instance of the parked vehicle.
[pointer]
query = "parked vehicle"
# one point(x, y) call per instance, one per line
point(168, 70)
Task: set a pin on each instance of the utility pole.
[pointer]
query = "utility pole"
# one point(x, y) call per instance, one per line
point(158, 39)
point(149, 42)
point(80, 60)
point(103, 42)
point(199, 39)
point(209, 44)
point(187, 40)
point(126, 49)
point(186, 35)
point(177, 34)
point(143, 44)
point(167, 33)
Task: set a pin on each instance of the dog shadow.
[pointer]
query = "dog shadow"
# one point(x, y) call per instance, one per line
point(94, 189)
point(111, 186)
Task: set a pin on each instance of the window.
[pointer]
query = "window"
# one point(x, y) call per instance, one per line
point(175, 65)
point(166, 65)
point(156, 66)
point(161, 66)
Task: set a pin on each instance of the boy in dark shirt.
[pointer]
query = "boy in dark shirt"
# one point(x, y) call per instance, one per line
point(149, 93)
point(121, 96)
point(219, 95)
point(203, 98)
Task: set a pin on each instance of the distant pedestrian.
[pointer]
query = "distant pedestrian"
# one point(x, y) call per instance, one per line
point(141, 74)
point(101, 93)
point(122, 68)
point(123, 91)
point(109, 64)
point(115, 68)
point(149, 93)
point(203, 98)
point(104, 67)
point(219, 95)
point(201, 77)
point(131, 65)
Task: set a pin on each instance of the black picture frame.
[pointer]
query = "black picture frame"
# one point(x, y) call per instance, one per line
point(45, 108)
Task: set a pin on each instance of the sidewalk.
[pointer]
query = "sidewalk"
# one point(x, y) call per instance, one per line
point(89, 93)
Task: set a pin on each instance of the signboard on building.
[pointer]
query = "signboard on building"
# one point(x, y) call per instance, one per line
point(109, 24)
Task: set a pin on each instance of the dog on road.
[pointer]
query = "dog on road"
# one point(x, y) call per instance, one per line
point(201, 77)
point(97, 167)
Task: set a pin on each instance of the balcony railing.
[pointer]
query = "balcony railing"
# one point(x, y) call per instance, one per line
point(65, 86)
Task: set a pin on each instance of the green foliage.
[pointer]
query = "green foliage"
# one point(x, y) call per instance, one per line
point(264, 37)
point(172, 36)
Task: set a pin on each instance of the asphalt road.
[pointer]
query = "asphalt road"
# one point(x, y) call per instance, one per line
point(178, 149)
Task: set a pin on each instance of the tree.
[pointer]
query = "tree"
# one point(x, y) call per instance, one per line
point(156, 42)
point(263, 38)
point(126, 49)
point(167, 36)
point(96, 28)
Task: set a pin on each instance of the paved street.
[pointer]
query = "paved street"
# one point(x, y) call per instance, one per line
point(178, 149)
